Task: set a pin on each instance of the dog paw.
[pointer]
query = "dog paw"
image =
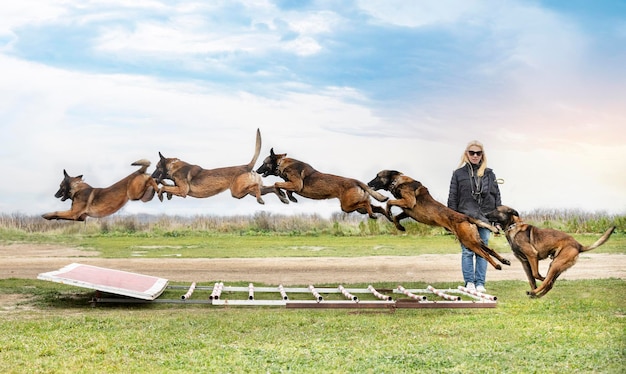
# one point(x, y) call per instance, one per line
point(532, 295)
point(506, 262)
point(498, 267)
point(260, 201)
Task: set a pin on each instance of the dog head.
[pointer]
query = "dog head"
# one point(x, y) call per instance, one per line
point(68, 186)
point(270, 164)
point(384, 180)
point(162, 170)
point(504, 216)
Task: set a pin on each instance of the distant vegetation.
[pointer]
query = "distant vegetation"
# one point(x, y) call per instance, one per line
point(262, 223)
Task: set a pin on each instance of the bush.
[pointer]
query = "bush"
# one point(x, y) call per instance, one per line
point(339, 224)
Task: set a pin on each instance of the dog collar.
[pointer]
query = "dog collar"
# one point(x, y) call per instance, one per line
point(511, 227)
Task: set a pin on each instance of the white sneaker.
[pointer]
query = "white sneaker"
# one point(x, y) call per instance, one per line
point(470, 286)
point(481, 288)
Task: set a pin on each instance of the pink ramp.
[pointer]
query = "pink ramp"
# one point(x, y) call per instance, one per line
point(117, 282)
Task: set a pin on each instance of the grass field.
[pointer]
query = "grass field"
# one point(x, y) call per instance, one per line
point(579, 328)
point(202, 245)
point(51, 328)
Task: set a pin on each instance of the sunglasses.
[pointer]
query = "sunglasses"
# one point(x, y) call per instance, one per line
point(475, 153)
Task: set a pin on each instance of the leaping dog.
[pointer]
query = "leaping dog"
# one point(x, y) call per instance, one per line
point(417, 203)
point(101, 202)
point(302, 179)
point(192, 180)
point(531, 244)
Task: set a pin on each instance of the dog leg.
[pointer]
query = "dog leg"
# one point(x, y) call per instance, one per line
point(534, 266)
point(566, 258)
point(68, 215)
point(396, 220)
point(388, 212)
point(271, 189)
point(530, 253)
point(370, 211)
point(257, 194)
point(238, 190)
point(482, 224)
point(290, 188)
point(291, 197)
point(374, 209)
point(467, 233)
point(527, 270)
point(381, 210)
point(363, 210)
point(401, 203)
point(148, 195)
point(496, 255)
point(482, 253)
point(149, 190)
point(553, 273)
point(180, 188)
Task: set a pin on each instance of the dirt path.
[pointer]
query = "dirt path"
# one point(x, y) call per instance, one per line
point(27, 261)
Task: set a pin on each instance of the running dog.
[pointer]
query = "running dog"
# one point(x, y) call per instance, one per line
point(101, 202)
point(304, 180)
point(192, 180)
point(417, 203)
point(530, 244)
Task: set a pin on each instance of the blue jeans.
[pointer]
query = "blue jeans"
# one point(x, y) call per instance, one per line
point(475, 274)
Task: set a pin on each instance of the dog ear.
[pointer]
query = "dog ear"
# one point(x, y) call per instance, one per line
point(514, 212)
point(272, 152)
point(161, 156)
point(65, 174)
point(393, 174)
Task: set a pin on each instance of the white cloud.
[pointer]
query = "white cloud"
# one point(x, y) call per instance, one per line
point(187, 32)
point(422, 13)
point(552, 126)
point(14, 14)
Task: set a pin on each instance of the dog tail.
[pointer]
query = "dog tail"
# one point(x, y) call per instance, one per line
point(375, 194)
point(143, 163)
point(600, 241)
point(257, 150)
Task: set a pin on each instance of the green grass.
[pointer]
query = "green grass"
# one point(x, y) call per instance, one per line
point(213, 245)
point(578, 328)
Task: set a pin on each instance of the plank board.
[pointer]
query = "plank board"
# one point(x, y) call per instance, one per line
point(112, 281)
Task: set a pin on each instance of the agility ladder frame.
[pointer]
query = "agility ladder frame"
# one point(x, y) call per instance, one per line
point(312, 297)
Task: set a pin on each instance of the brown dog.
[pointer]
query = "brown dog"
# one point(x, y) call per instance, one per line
point(101, 202)
point(192, 180)
point(417, 203)
point(531, 244)
point(304, 180)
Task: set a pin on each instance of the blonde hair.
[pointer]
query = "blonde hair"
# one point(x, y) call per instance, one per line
point(465, 160)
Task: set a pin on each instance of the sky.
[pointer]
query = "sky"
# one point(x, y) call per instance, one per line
point(350, 87)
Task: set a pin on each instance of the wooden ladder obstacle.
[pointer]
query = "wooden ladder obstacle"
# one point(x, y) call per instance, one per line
point(312, 297)
point(126, 287)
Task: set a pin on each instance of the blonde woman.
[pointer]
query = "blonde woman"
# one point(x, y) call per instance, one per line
point(474, 191)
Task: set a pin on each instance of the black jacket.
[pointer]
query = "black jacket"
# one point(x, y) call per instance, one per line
point(466, 198)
